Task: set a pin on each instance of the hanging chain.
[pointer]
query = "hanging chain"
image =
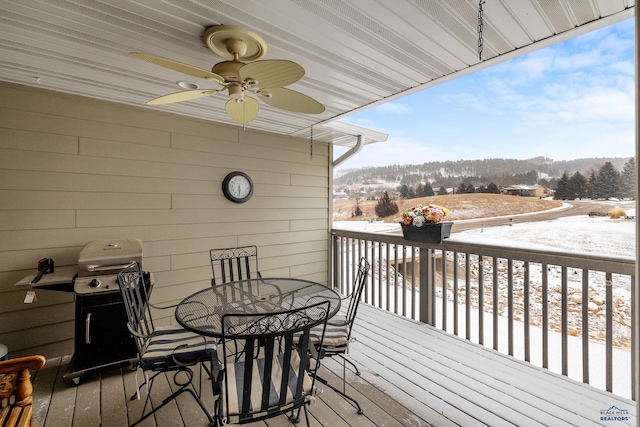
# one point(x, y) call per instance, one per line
point(480, 28)
point(311, 145)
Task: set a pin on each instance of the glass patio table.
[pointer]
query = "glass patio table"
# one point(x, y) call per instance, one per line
point(202, 311)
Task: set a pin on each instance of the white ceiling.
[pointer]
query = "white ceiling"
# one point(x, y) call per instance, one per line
point(357, 53)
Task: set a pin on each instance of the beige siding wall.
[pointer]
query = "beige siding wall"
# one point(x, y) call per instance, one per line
point(73, 170)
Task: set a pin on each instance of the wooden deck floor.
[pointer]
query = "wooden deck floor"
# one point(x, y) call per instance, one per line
point(412, 375)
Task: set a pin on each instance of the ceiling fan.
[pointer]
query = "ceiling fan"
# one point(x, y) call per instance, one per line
point(265, 79)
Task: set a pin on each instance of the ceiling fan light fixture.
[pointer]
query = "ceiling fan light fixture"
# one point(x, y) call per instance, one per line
point(187, 85)
point(236, 92)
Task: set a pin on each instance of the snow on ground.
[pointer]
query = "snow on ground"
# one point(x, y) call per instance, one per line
point(603, 235)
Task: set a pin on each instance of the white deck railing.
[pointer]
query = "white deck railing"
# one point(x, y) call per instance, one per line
point(565, 311)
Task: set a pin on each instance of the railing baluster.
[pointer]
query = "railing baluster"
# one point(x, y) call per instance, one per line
point(545, 316)
point(455, 293)
point(443, 283)
point(396, 286)
point(585, 326)
point(527, 319)
point(387, 271)
point(380, 261)
point(565, 321)
point(480, 300)
point(467, 297)
point(413, 283)
point(495, 294)
point(510, 305)
point(609, 329)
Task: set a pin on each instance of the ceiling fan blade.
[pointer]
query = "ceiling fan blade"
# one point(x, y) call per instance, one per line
point(272, 73)
point(178, 66)
point(242, 112)
point(291, 100)
point(186, 95)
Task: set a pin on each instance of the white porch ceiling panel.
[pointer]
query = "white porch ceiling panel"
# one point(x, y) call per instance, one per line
point(356, 53)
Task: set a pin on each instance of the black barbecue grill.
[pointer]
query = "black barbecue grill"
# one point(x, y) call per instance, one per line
point(102, 339)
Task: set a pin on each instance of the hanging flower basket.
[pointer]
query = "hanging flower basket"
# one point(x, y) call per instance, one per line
point(428, 233)
point(423, 223)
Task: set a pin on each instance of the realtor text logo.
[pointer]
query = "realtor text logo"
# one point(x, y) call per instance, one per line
point(614, 414)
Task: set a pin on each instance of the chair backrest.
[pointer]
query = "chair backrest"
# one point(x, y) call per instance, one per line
point(231, 264)
point(274, 372)
point(135, 296)
point(16, 389)
point(356, 294)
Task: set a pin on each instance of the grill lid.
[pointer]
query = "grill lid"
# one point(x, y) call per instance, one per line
point(104, 257)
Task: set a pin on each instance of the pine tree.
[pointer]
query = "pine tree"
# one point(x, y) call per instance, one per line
point(608, 181)
point(462, 189)
point(493, 188)
point(577, 187)
point(386, 206)
point(628, 180)
point(592, 187)
point(562, 188)
point(404, 191)
point(442, 191)
point(427, 190)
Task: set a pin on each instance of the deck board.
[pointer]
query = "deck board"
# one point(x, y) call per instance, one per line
point(413, 375)
point(492, 388)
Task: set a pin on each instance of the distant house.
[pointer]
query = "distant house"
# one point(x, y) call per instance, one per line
point(340, 196)
point(537, 190)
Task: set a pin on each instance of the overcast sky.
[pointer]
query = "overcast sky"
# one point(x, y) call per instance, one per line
point(570, 100)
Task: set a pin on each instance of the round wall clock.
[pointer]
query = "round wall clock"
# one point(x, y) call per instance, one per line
point(237, 187)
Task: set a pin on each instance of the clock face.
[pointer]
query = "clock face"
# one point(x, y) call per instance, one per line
point(237, 187)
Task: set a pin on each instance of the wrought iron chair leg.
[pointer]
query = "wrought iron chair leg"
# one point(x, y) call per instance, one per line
point(340, 392)
point(350, 363)
point(182, 389)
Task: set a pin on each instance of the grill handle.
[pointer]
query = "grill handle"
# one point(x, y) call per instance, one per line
point(95, 268)
point(87, 327)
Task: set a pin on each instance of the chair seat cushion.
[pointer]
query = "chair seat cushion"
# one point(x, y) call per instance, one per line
point(169, 342)
point(335, 335)
point(235, 384)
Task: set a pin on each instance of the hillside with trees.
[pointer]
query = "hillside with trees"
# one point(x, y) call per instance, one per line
point(596, 178)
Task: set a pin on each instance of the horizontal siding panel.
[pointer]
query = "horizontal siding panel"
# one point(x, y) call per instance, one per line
point(60, 181)
point(293, 191)
point(44, 335)
point(35, 220)
point(37, 316)
point(190, 260)
point(30, 240)
point(49, 162)
point(158, 263)
point(55, 124)
point(301, 145)
point(80, 200)
point(310, 224)
point(260, 199)
point(319, 268)
point(108, 218)
point(184, 246)
point(247, 147)
point(310, 181)
point(23, 262)
point(299, 259)
point(282, 239)
point(38, 141)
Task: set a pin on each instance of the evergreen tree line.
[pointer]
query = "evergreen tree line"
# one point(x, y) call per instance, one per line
point(606, 183)
point(425, 190)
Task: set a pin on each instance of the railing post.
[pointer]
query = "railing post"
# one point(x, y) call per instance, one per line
point(426, 286)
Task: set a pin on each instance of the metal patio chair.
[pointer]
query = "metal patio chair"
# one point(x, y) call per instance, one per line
point(231, 264)
point(275, 373)
point(161, 350)
point(338, 332)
